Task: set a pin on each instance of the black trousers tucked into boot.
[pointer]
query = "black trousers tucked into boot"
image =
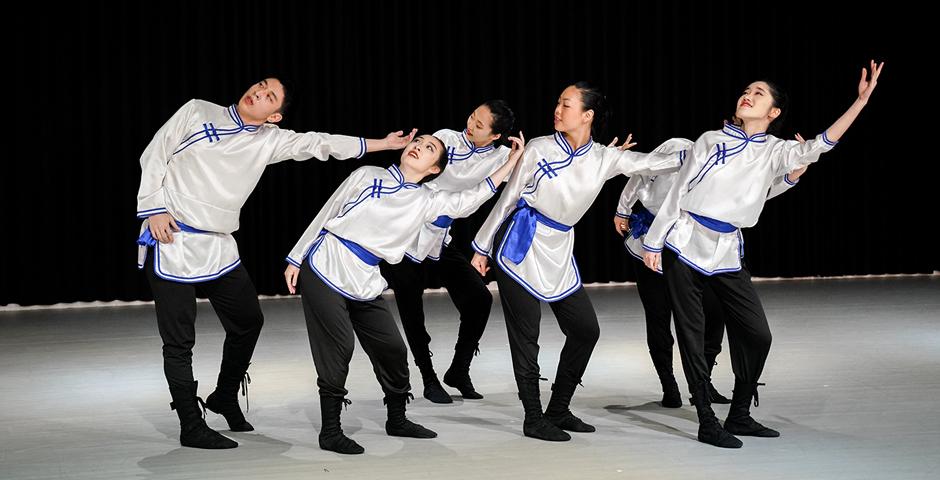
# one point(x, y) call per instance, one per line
point(749, 335)
point(657, 307)
point(235, 301)
point(523, 312)
point(466, 290)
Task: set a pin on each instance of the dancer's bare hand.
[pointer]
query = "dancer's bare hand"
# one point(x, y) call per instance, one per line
point(398, 140)
point(518, 147)
point(653, 260)
point(621, 225)
point(162, 226)
point(626, 144)
point(867, 85)
point(479, 263)
point(290, 276)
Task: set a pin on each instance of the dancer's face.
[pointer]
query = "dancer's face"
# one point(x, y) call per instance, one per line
point(262, 102)
point(422, 154)
point(480, 126)
point(569, 112)
point(757, 103)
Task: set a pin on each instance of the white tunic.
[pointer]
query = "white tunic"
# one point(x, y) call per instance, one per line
point(722, 189)
point(651, 191)
point(375, 215)
point(200, 168)
point(560, 183)
point(467, 166)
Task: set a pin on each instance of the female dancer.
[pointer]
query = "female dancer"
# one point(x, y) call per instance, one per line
point(722, 190)
point(374, 215)
point(529, 235)
point(639, 203)
point(472, 155)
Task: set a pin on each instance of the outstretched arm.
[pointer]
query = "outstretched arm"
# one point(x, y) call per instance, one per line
point(393, 141)
point(322, 146)
point(865, 88)
point(463, 203)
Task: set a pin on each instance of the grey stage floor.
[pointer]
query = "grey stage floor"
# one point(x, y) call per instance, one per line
point(853, 384)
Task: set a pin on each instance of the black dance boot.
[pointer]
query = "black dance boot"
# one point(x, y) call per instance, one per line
point(458, 375)
point(709, 430)
point(739, 421)
point(331, 432)
point(713, 394)
point(535, 424)
point(663, 365)
point(559, 413)
point(397, 424)
point(193, 429)
point(433, 390)
point(224, 400)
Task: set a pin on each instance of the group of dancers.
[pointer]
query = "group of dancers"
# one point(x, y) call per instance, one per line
point(681, 214)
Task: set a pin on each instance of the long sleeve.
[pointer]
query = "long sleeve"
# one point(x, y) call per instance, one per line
point(154, 160)
point(330, 210)
point(302, 146)
point(501, 157)
point(669, 211)
point(483, 242)
point(781, 184)
point(794, 155)
point(666, 158)
point(629, 196)
point(460, 204)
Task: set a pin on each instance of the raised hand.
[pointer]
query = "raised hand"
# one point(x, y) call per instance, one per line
point(518, 147)
point(626, 144)
point(397, 140)
point(867, 85)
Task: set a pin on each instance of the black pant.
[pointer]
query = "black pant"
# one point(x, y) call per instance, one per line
point(235, 301)
point(523, 312)
point(466, 290)
point(748, 332)
point(658, 309)
point(333, 319)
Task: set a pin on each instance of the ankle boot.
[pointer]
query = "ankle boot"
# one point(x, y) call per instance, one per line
point(709, 430)
point(739, 421)
point(458, 375)
point(397, 424)
point(535, 424)
point(332, 437)
point(663, 364)
point(193, 429)
point(224, 400)
point(559, 413)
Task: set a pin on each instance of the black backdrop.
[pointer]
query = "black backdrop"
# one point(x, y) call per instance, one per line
point(92, 83)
